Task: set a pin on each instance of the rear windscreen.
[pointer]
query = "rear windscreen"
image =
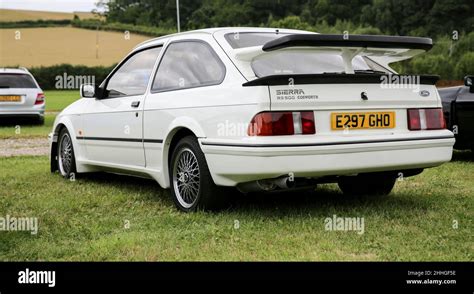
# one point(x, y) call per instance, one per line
point(242, 40)
point(304, 62)
point(16, 81)
point(295, 61)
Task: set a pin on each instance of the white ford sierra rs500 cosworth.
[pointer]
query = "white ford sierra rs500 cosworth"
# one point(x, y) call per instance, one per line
point(257, 109)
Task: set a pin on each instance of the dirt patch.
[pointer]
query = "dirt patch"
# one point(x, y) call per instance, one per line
point(24, 146)
point(448, 83)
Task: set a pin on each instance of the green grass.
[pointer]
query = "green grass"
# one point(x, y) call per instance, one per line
point(55, 101)
point(84, 220)
point(26, 129)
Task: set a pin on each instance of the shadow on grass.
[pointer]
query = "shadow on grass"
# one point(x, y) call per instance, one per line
point(127, 183)
point(20, 121)
point(323, 200)
point(277, 204)
point(465, 156)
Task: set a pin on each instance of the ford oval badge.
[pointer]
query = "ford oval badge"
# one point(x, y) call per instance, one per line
point(424, 93)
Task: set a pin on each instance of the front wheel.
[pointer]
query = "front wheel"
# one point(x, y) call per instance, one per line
point(66, 159)
point(367, 184)
point(192, 187)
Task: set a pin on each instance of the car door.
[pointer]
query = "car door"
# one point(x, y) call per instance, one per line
point(185, 84)
point(113, 124)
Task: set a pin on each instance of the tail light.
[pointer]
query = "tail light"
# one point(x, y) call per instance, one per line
point(282, 123)
point(426, 119)
point(39, 99)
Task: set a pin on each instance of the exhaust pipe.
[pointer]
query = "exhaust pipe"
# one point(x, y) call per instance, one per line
point(284, 183)
point(266, 185)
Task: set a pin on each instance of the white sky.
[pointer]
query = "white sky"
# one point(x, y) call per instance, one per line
point(50, 5)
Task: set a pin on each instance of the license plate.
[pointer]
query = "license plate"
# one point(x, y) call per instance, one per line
point(10, 98)
point(362, 120)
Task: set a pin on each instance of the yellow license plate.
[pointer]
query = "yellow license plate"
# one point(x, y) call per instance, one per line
point(362, 120)
point(10, 98)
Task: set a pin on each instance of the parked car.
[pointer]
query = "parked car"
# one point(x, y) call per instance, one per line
point(20, 95)
point(458, 108)
point(257, 109)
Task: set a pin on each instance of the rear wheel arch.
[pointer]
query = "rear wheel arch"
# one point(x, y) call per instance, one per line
point(169, 145)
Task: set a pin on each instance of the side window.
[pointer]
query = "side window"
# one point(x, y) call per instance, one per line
point(132, 77)
point(188, 64)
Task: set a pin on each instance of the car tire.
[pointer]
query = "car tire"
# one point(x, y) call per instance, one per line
point(192, 187)
point(66, 157)
point(367, 184)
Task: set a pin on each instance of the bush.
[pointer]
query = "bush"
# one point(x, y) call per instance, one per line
point(121, 27)
point(34, 23)
point(433, 64)
point(463, 45)
point(48, 76)
point(465, 65)
point(291, 22)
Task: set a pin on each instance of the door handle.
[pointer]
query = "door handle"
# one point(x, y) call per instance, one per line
point(135, 104)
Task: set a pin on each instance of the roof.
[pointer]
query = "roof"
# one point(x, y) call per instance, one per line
point(211, 31)
point(19, 70)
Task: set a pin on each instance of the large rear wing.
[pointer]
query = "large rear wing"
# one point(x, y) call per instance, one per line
point(343, 41)
point(381, 49)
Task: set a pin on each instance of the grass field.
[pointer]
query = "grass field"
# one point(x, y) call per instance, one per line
point(86, 220)
point(22, 15)
point(56, 45)
point(55, 102)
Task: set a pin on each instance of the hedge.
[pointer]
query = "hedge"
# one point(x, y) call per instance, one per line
point(121, 27)
point(89, 24)
point(50, 77)
point(34, 23)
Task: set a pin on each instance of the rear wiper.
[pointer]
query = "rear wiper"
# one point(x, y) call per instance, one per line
point(369, 71)
point(333, 73)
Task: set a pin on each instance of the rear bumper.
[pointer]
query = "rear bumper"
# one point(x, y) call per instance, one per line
point(231, 164)
point(36, 113)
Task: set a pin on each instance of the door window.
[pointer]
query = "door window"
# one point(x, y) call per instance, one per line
point(188, 64)
point(133, 75)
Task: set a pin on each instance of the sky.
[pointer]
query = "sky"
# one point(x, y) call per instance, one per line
point(49, 5)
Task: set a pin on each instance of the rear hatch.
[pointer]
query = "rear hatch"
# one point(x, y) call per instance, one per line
point(346, 82)
point(341, 105)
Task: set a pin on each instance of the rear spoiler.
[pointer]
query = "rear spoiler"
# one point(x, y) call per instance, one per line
point(381, 49)
point(358, 78)
point(364, 41)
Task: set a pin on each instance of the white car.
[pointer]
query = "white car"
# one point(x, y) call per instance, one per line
point(257, 109)
point(20, 95)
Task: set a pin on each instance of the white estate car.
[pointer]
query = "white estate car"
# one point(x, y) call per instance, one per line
point(20, 95)
point(257, 109)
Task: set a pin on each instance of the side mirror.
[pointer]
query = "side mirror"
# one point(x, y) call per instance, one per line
point(88, 91)
point(469, 82)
